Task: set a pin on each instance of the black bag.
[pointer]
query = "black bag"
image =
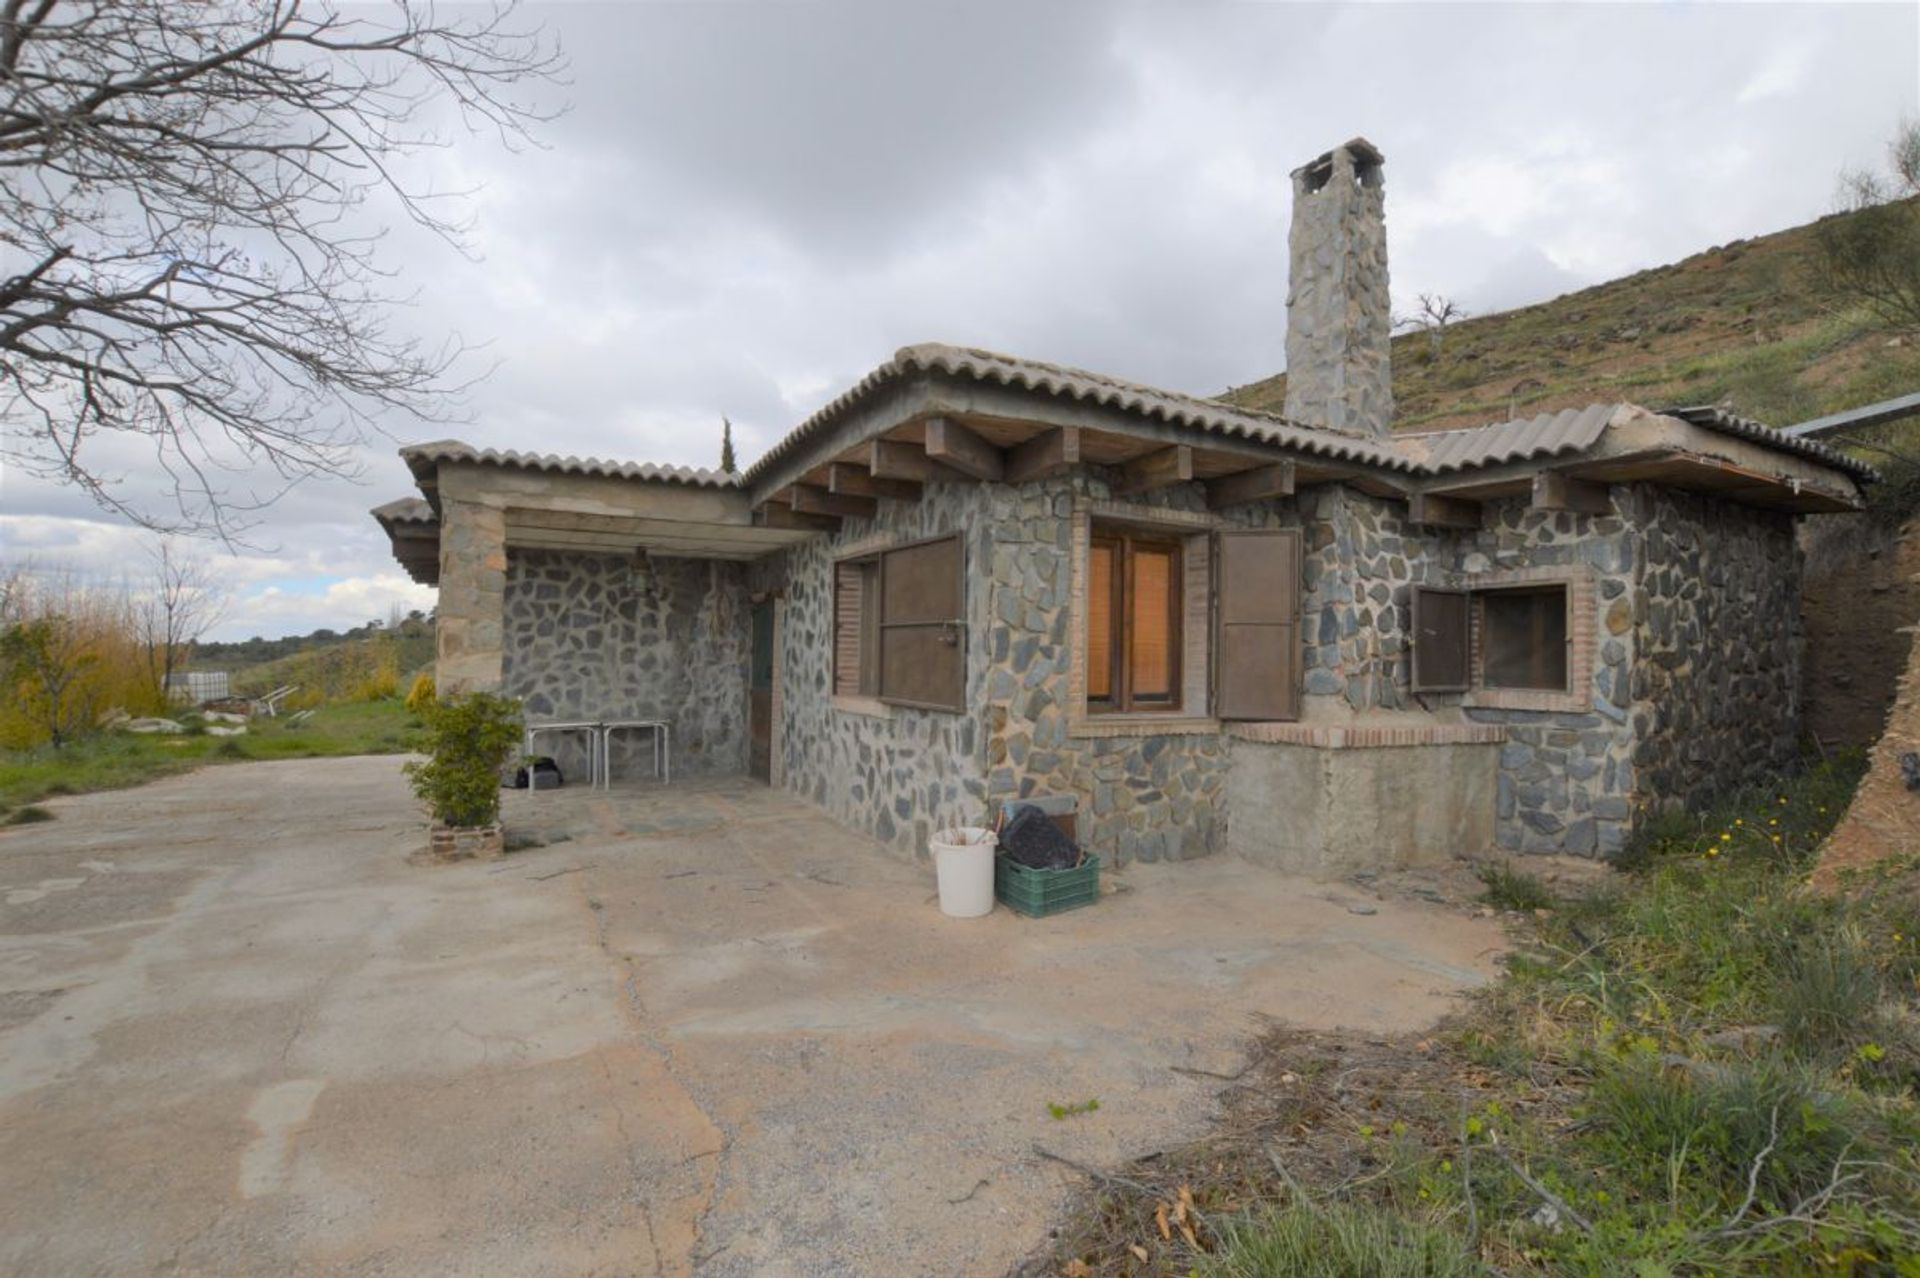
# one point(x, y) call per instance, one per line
point(1030, 838)
point(544, 771)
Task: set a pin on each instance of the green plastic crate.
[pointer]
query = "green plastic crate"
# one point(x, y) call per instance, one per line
point(1038, 893)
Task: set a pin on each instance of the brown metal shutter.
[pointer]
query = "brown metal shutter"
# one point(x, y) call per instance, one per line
point(1257, 616)
point(849, 603)
point(1440, 643)
point(923, 651)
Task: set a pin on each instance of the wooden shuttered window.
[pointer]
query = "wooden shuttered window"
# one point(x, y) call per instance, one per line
point(1136, 596)
point(1257, 660)
point(921, 625)
point(1442, 644)
point(855, 615)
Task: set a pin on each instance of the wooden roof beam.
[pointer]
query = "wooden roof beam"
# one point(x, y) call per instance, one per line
point(1258, 484)
point(904, 459)
point(810, 500)
point(850, 479)
point(1555, 491)
point(953, 445)
point(1443, 512)
point(1048, 453)
point(1162, 468)
point(779, 515)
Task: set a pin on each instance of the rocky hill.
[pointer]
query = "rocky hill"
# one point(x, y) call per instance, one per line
point(1737, 324)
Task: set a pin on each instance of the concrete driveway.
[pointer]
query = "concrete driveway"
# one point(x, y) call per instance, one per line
point(709, 1030)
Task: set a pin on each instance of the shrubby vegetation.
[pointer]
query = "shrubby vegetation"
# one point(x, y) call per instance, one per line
point(469, 739)
point(1701, 1067)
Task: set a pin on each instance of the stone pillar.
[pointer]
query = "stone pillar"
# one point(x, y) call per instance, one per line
point(1339, 313)
point(473, 581)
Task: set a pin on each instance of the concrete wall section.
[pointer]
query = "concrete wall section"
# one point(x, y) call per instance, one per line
point(611, 637)
point(1328, 811)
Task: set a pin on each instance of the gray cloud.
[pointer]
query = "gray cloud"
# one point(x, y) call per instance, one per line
point(752, 204)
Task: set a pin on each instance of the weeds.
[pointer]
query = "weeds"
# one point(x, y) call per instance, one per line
point(1072, 1109)
point(1511, 889)
point(29, 815)
point(1698, 1068)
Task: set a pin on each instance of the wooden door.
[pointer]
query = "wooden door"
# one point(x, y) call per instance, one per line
point(760, 694)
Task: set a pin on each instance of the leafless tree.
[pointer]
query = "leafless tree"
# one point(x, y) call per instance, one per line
point(1872, 254)
point(182, 600)
point(1435, 313)
point(187, 250)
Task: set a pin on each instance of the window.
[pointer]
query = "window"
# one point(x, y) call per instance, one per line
point(899, 633)
point(1135, 597)
point(1497, 638)
point(1523, 638)
point(856, 616)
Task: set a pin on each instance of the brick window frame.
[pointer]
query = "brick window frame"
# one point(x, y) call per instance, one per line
point(1582, 585)
point(1195, 533)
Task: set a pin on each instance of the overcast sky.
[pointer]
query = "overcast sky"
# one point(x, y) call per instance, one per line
point(750, 205)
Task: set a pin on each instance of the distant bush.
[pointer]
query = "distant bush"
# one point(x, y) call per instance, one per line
point(420, 697)
point(470, 738)
point(69, 653)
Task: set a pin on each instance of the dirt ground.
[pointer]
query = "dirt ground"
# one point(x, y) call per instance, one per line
point(704, 1028)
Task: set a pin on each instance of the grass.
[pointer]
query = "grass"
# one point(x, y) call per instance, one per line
point(116, 760)
point(1699, 1067)
point(1511, 889)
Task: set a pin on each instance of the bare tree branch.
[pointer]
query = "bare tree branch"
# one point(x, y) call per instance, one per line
point(184, 252)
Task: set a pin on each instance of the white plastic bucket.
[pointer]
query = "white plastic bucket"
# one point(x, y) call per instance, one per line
point(963, 860)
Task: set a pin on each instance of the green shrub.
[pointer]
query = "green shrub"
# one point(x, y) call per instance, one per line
point(470, 737)
point(1511, 889)
point(1337, 1241)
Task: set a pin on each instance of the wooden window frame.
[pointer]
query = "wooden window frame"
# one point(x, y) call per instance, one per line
point(1579, 597)
point(867, 644)
point(1478, 645)
point(1120, 633)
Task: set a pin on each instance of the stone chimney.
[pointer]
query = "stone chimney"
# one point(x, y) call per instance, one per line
point(1339, 317)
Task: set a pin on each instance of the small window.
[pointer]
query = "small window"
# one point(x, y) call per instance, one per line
point(1523, 638)
point(856, 620)
point(1134, 605)
point(1501, 638)
point(898, 628)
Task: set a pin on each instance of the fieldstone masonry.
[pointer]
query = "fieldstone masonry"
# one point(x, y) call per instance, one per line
point(609, 637)
point(1339, 313)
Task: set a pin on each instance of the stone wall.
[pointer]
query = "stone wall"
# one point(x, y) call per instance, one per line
point(1566, 779)
point(892, 772)
point(1717, 637)
point(595, 637)
point(1681, 667)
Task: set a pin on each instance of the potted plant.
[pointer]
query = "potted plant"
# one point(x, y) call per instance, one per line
point(469, 738)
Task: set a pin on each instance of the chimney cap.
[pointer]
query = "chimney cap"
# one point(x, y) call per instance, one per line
point(1364, 154)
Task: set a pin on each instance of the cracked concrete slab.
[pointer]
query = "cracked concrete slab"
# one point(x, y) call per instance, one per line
point(711, 1031)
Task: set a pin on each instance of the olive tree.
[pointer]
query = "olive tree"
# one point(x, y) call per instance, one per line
point(188, 255)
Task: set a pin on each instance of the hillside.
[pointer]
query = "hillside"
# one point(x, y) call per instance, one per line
point(1737, 323)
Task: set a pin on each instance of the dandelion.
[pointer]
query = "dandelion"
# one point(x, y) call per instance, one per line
point(1726, 837)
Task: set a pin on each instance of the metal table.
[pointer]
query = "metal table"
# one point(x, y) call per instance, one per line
point(662, 736)
point(591, 728)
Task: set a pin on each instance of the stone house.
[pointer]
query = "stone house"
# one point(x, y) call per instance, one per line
point(1300, 637)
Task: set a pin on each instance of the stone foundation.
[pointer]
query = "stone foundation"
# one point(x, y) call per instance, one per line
point(466, 843)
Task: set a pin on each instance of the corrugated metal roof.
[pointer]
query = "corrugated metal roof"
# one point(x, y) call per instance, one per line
point(1207, 415)
point(1711, 417)
point(1548, 435)
point(422, 458)
point(1896, 409)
